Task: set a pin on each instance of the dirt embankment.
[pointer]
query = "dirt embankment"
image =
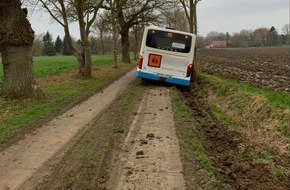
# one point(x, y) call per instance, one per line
point(263, 67)
point(230, 150)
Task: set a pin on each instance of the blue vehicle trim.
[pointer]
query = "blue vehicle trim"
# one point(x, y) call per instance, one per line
point(153, 76)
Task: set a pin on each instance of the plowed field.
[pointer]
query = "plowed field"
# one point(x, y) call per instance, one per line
point(266, 67)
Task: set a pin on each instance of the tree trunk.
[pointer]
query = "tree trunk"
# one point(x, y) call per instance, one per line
point(84, 60)
point(191, 16)
point(102, 43)
point(16, 43)
point(114, 32)
point(195, 65)
point(115, 47)
point(87, 69)
point(136, 45)
point(125, 46)
point(19, 81)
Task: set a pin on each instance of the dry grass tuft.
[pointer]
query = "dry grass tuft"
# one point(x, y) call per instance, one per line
point(257, 119)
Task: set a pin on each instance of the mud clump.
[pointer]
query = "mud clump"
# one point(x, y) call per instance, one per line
point(235, 167)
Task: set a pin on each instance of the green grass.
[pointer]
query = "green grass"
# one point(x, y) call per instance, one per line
point(226, 120)
point(266, 158)
point(225, 86)
point(51, 65)
point(19, 115)
point(241, 98)
point(190, 146)
point(250, 110)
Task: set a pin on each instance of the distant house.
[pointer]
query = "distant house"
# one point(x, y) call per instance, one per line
point(218, 44)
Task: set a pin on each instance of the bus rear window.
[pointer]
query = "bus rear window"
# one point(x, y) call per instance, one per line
point(168, 41)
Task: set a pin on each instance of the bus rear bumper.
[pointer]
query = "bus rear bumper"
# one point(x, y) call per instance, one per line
point(170, 79)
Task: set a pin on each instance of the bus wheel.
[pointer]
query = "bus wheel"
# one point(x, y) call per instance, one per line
point(188, 88)
point(145, 82)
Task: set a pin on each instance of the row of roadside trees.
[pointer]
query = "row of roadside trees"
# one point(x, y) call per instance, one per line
point(121, 16)
point(45, 45)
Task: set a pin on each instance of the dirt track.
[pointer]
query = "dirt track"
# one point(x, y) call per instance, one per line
point(20, 161)
point(149, 158)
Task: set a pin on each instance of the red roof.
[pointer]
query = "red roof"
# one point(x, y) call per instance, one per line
point(218, 44)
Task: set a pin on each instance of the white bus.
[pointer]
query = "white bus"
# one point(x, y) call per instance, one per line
point(166, 55)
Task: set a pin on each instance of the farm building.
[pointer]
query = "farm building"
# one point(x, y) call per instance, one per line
point(218, 44)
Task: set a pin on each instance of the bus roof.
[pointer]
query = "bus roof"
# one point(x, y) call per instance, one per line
point(168, 30)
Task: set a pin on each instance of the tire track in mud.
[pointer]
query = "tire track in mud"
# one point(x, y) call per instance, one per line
point(150, 157)
point(225, 147)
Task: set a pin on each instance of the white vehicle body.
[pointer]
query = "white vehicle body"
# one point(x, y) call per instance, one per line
point(166, 55)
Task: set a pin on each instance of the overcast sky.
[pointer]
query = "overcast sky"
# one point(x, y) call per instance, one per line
point(235, 15)
point(213, 15)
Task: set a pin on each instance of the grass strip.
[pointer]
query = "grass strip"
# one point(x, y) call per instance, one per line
point(17, 116)
point(81, 168)
point(224, 86)
point(261, 115)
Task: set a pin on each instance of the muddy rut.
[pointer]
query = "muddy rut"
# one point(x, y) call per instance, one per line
point(236, 168)
point(149, 158)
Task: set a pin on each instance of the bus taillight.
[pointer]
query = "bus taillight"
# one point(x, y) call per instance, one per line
point(189, 70)
point(140, 61)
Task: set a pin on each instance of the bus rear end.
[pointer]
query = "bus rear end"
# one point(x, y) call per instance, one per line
point(166, 55)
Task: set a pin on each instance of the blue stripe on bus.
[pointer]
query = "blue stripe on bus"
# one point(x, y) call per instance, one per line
point(173, 80)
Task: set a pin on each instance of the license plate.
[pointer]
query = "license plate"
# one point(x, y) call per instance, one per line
point(154, 60)
point(163, 76)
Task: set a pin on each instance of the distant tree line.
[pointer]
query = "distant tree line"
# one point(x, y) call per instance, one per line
point(45, 45)
point(249, 38)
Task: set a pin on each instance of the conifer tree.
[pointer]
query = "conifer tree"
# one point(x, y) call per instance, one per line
point(58, 45)
point(48, 48)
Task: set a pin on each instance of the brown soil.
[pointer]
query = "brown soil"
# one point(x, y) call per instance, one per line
point(149, 158)
point(235, 166)
point(263, 67)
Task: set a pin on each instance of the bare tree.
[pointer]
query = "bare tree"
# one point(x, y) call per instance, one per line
point(132, 12)
point(16, 40)
point(136, 33)
point(38, 45)
point(100, 27)
point(113, 6)
point(82, 11)
point(286, 32)
point(286, 29)
point(189, 7)
point(173, 15)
